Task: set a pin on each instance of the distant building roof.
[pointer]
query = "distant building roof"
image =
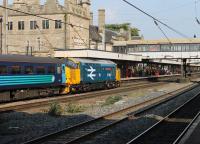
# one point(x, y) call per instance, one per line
point(110, 35)
point(95, 35)
point(161, 41)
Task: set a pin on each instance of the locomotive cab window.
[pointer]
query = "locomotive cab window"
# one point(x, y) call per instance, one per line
point(51, 70)
point(28, 70)
point(15, 69)
point(3, 69)
point(40, 70)
point(59, 70)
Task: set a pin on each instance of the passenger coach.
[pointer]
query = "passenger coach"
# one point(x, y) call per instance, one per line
point(25, 76)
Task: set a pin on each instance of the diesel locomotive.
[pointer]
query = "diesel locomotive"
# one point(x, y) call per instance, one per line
point(23, 77)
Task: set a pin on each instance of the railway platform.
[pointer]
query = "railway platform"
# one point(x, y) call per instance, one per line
point(131, 65)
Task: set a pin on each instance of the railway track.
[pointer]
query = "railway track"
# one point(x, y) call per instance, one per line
point(81, 132)
point(17, 106)
point(127, 85)
point(170, 129)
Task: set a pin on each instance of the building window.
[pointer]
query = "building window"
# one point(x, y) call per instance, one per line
point(33, 25)
point(45, 24)
point(10, 25)
point(21, 25)
point(58, 24)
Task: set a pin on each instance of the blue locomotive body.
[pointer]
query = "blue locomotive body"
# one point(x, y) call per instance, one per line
point(97, 71)
point(92, 74)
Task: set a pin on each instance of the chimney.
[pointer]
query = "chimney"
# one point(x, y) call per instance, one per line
point(91, 18)
point(101, 20)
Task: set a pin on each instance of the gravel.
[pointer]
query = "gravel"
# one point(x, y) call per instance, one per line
point(127, 130)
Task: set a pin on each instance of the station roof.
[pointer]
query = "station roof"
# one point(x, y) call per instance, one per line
point(83, 60)
point(160, 41)
point(88, 53)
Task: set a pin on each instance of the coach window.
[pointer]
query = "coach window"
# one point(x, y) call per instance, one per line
point(51, 70)
point(15, 69)
point(40, 70)
point(28, 70)
point(3, 69)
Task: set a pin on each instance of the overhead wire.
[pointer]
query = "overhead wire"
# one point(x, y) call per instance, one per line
point(162, 31)
point(50, 44)
point(42, 17)
point(157, 20)
point(196, 12)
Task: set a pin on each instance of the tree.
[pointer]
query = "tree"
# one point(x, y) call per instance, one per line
point(134, 32)
point(124, 26)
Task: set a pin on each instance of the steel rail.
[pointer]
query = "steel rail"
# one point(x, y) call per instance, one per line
point(19, 106)
point(139, 138)
point(27, 104)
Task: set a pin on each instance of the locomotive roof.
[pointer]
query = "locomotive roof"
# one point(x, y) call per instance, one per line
point(30, 59)
point(95, 61)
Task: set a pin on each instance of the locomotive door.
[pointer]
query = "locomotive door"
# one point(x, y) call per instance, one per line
point(63, 74)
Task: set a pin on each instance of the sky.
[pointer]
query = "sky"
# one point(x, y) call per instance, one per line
point(178, 14)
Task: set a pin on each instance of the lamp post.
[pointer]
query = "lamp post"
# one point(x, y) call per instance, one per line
point(38, 43)
point(1, 35)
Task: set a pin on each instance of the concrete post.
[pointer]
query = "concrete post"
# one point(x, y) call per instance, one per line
point(102, 27)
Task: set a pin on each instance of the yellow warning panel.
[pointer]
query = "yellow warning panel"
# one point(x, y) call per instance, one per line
point(118, 74)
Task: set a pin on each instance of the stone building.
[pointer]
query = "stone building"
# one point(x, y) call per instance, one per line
point(55, 26)
point(100, 36)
